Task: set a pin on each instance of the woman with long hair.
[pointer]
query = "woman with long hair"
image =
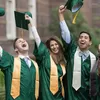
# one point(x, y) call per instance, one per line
point(51, 60)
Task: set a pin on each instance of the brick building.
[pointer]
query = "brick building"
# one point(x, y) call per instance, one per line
point(96, 13)
point(91, 12)
point(41, 11)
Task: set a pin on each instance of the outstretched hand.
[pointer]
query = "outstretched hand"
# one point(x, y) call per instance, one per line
point(27, 17)
point(62, 9)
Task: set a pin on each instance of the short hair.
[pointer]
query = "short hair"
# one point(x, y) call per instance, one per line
point(87, 34)
point(14, 43)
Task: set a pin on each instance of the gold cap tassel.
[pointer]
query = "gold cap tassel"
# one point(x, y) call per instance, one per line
point(74, 19)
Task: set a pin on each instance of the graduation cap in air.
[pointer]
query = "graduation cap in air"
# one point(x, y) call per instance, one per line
point(74, 6)
point(20, 19)
point(2, 11)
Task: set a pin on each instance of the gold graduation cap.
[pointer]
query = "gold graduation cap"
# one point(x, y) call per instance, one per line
point(20, 20)
point(2, 11)
point(74, 6)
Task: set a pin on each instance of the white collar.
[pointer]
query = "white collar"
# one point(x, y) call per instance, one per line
point(21, 56)
point(84, 52)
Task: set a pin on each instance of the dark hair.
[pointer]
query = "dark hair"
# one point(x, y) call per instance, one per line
point(14, 46)
point(59, 58)
point(55, 39)
point(87, 34)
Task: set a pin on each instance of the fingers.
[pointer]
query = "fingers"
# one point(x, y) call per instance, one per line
point(27, 17)
point(62, 8)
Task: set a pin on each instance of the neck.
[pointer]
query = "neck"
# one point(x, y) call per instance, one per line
point(58, 58)
point(83, 50)
point(24, 53)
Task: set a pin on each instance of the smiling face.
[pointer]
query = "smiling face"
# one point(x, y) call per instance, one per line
point(21, 45)
point(84, 41)
point(54, 46)
point(56, 50)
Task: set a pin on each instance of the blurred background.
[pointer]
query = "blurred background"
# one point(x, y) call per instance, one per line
point(45, 17)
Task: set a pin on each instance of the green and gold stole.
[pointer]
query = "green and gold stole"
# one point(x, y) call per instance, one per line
point(15, 86)
point(54, 77)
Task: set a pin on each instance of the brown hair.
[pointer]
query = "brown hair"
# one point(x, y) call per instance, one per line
point(59, 58)
point(14, 43)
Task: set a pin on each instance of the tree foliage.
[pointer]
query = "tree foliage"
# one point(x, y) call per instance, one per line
point(75, 29)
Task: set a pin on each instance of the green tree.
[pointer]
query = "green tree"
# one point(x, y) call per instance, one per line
point(75, 29)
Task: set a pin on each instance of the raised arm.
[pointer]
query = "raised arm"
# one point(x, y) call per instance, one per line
point(65, 33)
point(34, 31)
point(6, 59)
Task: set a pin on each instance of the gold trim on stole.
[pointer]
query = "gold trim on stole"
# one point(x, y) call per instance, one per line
point(54, 77)
point(15, 87)
point(37, 80)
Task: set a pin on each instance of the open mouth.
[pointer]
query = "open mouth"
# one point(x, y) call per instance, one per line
point(23, 45)
point(56, 51)
point(82, 43)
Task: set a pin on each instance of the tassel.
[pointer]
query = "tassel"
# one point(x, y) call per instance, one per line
point(74, 19)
